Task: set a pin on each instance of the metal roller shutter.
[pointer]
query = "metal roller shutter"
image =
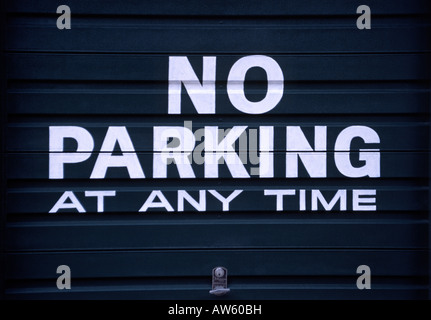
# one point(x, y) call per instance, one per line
point(341, 181)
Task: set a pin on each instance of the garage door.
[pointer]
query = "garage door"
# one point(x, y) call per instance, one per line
point(262, 150)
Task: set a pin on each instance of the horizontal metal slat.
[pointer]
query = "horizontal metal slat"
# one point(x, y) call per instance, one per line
point(104, 264)
point(323, 288)
point(31, 166)
point(186, 233)
point(222, 8)
point(213, 40)
point(251, 199)
point(154, 68)
point(35, 137)
point(146, 102)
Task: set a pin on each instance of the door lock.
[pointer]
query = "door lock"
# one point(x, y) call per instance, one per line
point(219, 283)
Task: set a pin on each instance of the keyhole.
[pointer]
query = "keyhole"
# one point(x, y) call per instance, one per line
point(219, 272)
